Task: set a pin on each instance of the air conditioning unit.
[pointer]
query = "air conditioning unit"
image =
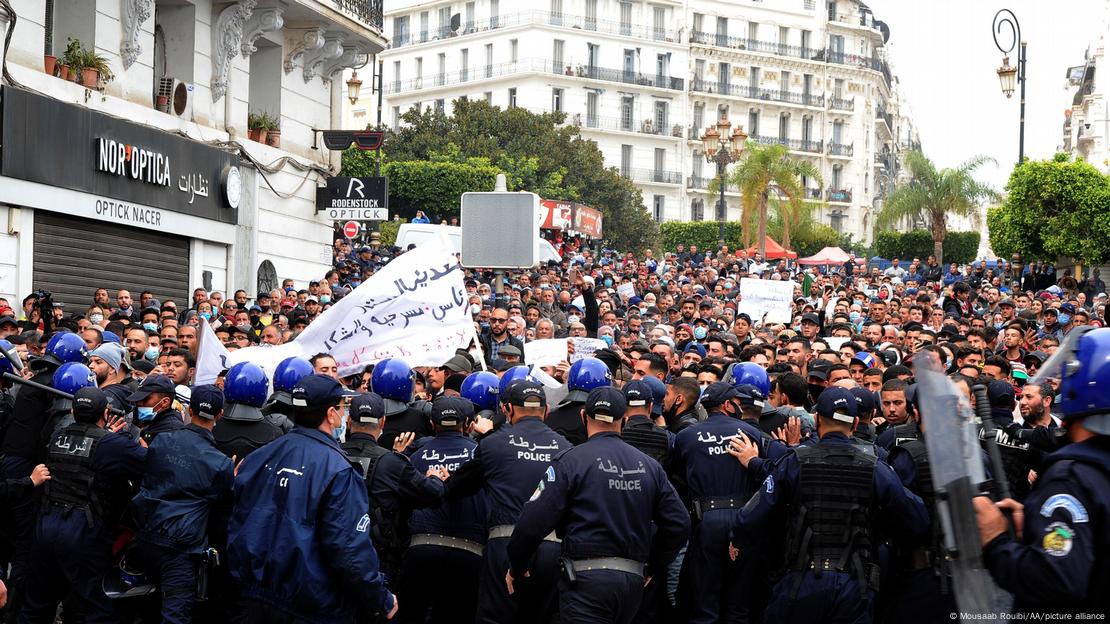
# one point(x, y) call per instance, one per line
point(179, 96)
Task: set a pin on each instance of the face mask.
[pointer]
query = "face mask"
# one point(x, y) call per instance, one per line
point(355, 284)
point(475, 309)
point(341, 430)
point(206, 316)
point(151, 353)
point(96, 318)
point(999, 325)
point(608, 339)
point(573, 318)
point(150, 326)
point(700, 333)
point(144, 414)
point(1065, 319)
point(854, 316)
point(324, 299)
point(608, 283)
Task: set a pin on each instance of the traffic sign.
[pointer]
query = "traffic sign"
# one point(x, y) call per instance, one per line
point(351, 228)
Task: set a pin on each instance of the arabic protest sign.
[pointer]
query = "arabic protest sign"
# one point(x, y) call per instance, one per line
point(584, 347)
point(626, 290)
point(546, 352)
point(413, 309)
point(766, 297)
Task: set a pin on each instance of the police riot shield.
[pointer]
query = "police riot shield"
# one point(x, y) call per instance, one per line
point(952, 439)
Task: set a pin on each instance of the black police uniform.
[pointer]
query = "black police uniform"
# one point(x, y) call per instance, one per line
point(712, 588)
point(164, 421)
point(682, 421)
point(395, 489)
point(566, 420)
point(1062, 563)
point(415, 419)
point(643, 434)
point(508, 464)
point(620, 520)
point(279, 409)
point(439, 577)
point(91, 474)
point(243, 430)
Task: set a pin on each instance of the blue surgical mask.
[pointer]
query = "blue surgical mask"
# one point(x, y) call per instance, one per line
point(144, 414)
point(608, 283)
point(325, 299)
point(150, 326)
point(96, 318)
point(608, 339)
point(701, 332)
point(206, 316)
point(999, 325)
point(341, 430)
point(854, 316)
point(1065, 319)
point(573, 318)
point(151, 353)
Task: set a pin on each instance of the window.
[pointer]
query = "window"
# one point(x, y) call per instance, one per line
point(629, 65)
point(806, 37)
point(438, 105)
point(396, 118)
point(753, 122)
point(591, 109)
point(441, 69)
point(626, 160)
point(626, 17)
point(424, 17)
point(396, 76)
point(697, 210)
point(591, 14)
point(807, 87)
point(784, 81)
point(489, 60)
point(557, 12)
point(753, 81)
point(627, 104)
point(401, 29)
point(489, 97)
point(661, 117)
point(838, 131)
point(265, 80)
point(468, 25)
point(699, 73)
point(724, 78)
point(722, 31)
point(512, 97)
point(494, 13)
point(784, 36)
point(838, 89)
point(444, 22)
point(419, 72)
point(658, 204)
point(696, 166)
point(557, 100)
point(698, 19)
point(699, 116)
point(659, 22)
point(662, 65)
point(660, 163)
point(836, 43)
point(593, 52)
point(807, 128)
point(557, 48)
point(837, 174)
point(464, 65)
point(832, 10)
point(513, 47)
point(784, 126)
point(753, 31)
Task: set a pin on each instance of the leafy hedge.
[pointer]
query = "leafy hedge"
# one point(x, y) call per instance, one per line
point(959, 247)
point(434, 187)
point(388, 231)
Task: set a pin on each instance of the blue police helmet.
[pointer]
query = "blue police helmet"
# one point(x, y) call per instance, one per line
point(482, 389)
point(246, 383)
point(65, 347)
point(393, 379)
point(515, 373)
point(72, 376)
point(5, 365)
point(289, 371)
point(1084, 374)
point(751, 373)
point(585, 375)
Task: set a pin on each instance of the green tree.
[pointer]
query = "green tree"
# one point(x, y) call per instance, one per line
point(766, 173)
point(932, 195)
point(1058, 207)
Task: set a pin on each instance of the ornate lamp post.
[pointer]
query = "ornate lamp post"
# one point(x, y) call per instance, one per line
point(1009, 75)
point(723, 148)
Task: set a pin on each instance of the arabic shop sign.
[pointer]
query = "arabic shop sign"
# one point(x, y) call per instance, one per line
point(123, 163)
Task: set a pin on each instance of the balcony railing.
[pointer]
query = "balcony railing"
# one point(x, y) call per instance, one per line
point(658, 176)
point(841, 149)
point(541, 66)
point(838, 195)
point(751, 45)
point(523, 18)
point(698, 182)
point(623, 124)
point(368, 12)
point(882, 115)
point(844, 58)
point(842, 103)
point(813, 193)
point(794, 144)
point(766, 95)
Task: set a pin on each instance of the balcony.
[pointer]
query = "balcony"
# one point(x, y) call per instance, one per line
point(838, 195)
point(539, 18)
point(812, 194)
point(624, 124)
point(882, 115)
point(652, 176)
point(540, 66)
point(765, 95)
point(368, 12)
point(798, 145)
point(698, 182)
point(841, 149)
point(752, 45)
point(856, 60)
point(843, 104)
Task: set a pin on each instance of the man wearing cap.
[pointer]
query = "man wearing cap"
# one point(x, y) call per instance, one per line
point(640, 430)
point(188, 482)
point(107, 363)
point(712, 588)
point(91, 469)
point(299, 538)
point(445, 550)
point(436, 377)
point(815, 492)
point(507, 465)
point(620, 518)
point(394, 487)
point(154, 410)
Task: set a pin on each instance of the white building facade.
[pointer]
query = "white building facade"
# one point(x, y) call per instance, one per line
point(1087, 122)
point(149, 181)
point(644, 79)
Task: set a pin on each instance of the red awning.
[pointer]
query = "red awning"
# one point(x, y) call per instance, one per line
point(774, 251)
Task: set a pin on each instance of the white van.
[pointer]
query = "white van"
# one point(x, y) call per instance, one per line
point(418, 233)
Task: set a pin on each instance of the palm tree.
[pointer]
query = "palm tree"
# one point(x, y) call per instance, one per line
point(769, 171)
point(932, 195)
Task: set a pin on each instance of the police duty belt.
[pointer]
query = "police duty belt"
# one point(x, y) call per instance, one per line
point(616, 564)
point(703, 505)
point(446, 541)
point(506, 530)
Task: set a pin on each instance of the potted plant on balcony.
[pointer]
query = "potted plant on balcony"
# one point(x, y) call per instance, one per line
point(273, 131)
point(71, 59)
point(253, 125)
point(50, 64)
point(94, 69)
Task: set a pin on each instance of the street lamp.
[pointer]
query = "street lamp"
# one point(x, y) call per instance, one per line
point(354, 88)
point(723, 148)
point(1008, 75)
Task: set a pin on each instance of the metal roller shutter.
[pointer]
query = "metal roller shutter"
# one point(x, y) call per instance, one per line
point(73, 257)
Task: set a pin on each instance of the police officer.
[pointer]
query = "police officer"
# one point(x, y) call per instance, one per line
point(395, 488)
point(188, 482)
point(91, 469)
point(640, 430)
point(1018, 457)
point(25, 441)
point(393, 381)
point(244, 428)
point(712, 588)
point(69, 378)
point(299, 544)
point(507, 465)
point(279, 406)
point(154, 410)
point(620, 519)
point(1060, 560)
point(482, 389)
point(444, 558)
point(583, 376)
point(823, 493)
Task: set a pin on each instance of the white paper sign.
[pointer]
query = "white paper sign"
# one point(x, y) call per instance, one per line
point(547, 352)
point(414, 309)
point(627, 291)
point(585, 347)
point(835, 342)
point(772, 298)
